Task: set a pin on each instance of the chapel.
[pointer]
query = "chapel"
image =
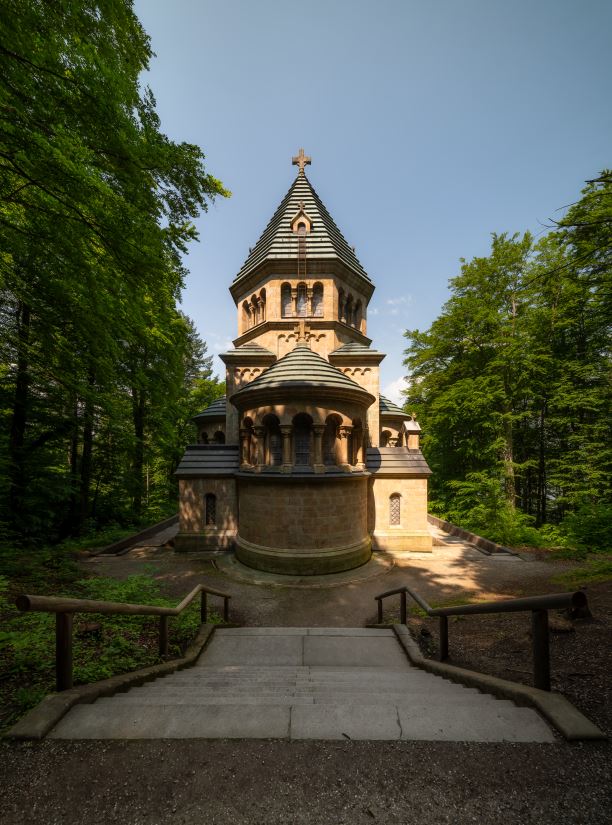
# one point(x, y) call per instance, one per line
point(303, 468)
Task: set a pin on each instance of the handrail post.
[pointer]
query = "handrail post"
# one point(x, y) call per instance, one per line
point(203, 608)
point(403, 607)
point(443, 638)
point(226, 609)
point(380, 611)
point(541, 651)
point(163, 635)
point(63, 651)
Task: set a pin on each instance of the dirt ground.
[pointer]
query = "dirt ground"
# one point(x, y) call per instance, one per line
point(270, 782)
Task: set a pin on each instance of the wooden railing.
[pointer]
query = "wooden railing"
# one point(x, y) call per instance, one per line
point(537, 605)
point(66, 608)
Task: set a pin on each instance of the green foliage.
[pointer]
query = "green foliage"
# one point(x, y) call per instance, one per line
point(511, 384)
point(96, 213)
point(596, 570)
point(121, 644)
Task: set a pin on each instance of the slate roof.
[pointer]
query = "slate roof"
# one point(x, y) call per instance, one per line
point(208, 459)
point(353, 348)
point(250, 348)
point(396, 461)
point(388, 408)
point(302, 368)
point(214, 410)
point(324, 240)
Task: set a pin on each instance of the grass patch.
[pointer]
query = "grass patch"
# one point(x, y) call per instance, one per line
point(103, 646)
point(595, 570)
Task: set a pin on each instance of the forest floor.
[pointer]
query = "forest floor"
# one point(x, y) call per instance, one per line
point(273, 782)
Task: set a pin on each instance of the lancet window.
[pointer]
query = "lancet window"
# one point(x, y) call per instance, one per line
point(302, 301)
point(394, 509)
point(211, 509)
point(286, 302)
point(317, 300)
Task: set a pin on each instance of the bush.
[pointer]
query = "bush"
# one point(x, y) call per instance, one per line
point(588, 528)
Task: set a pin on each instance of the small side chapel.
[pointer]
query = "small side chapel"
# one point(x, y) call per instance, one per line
point(304, 468)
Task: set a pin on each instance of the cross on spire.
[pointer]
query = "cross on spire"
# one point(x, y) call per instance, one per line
point(301, 160)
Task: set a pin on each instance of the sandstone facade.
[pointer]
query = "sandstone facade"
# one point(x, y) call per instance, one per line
point(303, 468)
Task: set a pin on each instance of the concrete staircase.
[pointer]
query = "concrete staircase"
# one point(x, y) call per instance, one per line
point(304, 683)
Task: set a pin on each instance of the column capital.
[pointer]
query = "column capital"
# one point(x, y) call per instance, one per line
point(286, 429)
point(318, 428)
point(345, 430)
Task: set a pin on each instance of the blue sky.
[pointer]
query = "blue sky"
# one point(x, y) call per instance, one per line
point(430, 123)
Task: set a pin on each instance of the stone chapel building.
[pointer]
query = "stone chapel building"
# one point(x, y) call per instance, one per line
point(304, 468)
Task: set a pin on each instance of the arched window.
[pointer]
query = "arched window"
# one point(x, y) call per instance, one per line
point(330, 441)
point(262, 305)
point(286, 302)
point(203, 437)
point(302, 301)
point(302, 433)
point(246, 315)
point(273, 441)
point(211, 509)
point(254, 310)
point(384, 438)
point(301, 228)
point(219, 437)
point(357, 316)
point(394, 509)
point(348, 310)
point(340, 304)
point(317, 300)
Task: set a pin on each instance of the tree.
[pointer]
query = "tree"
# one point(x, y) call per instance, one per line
point(96, 211)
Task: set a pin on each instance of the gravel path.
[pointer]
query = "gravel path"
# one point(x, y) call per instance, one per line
point(307, 783)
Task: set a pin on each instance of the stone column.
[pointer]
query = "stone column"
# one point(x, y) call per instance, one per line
point(318, 430)
point(309, 294)
point(259, 434)
point(359, 450)
point(245, 458)
point(343, 436)
point(287, 464)
point(294, 301)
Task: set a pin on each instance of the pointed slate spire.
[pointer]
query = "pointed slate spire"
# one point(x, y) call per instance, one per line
point(324, 241)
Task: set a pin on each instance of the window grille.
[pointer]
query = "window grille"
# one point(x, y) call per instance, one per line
point(211, 509)
point(317, 301)
point(286, 302)
point(276, 449)
point(302, 446)
point(394, 509)
point(302, 301)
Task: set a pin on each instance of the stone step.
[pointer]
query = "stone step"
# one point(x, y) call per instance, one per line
point(331, 697)
point(457, 722)
point(303, 683)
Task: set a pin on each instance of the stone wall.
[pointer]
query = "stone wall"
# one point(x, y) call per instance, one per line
point(193, 533)
point(412, 533)
point(303, 527)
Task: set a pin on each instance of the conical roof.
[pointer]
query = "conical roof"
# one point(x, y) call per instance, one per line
point(325, 241)
point(388, 408)
point(214, 410)
point(302, 369)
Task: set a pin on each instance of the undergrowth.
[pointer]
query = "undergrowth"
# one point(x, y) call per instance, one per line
point(103, 646)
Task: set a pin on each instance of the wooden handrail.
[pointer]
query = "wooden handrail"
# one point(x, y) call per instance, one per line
point(65, 608)
point(538, 605)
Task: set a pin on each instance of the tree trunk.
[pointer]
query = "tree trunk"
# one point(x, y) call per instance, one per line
point(508, 459)
point(17, 469)
point(87, 453)
point(138, 416)
point(542, 509)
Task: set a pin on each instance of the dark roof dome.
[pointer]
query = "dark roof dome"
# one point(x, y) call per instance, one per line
point(390, 410)
point(304, 371)
point(214, 410)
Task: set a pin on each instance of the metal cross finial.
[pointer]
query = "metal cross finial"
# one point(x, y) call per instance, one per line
point(301, 160)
